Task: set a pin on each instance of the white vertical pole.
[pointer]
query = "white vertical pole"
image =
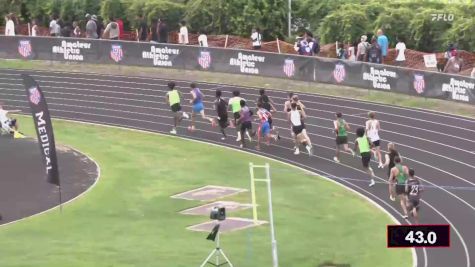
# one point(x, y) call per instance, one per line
point(290, 18)
point(278, 45)
point(29, 29)
point(226, 42)
point(271, 219)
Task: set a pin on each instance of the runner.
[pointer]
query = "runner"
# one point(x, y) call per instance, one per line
point(293, 99)
point(389, 162)
point(9, 125)
point(198, 107)
point(264, 129)
point(298, 128)
point(341, 130)
point(413, 190)
point(372, 131)
point(267, 103)
point(235, 105)
point(363, 145)
point(222, 110)
point(173, 99)
point(398, 178)
point(245, 122)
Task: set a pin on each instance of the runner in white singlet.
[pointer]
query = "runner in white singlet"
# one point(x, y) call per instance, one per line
point(295, 117)
point(372, 131)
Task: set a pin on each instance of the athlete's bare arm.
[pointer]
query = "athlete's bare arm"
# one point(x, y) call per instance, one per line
point(335, 124)
point(356, 148)
point(302, 113)
point(286, 105)
point(193, 96)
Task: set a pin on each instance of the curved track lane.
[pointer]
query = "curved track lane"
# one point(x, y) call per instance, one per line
point(439, 146)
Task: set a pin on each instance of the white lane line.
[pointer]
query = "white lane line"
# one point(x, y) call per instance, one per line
point(209, 102)
point(281, 160)
point(204, 89)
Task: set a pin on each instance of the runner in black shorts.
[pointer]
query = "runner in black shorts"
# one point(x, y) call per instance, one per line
point(235, 105)
point(173, 99)
point(363, 145)
point(413, 190)
point(245, 122)
point(341, 131)
point(222, 110)
point(399, 174)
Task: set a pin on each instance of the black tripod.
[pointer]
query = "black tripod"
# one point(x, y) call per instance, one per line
point(217, 252)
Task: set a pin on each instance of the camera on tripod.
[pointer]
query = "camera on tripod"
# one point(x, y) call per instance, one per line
point(218, 213)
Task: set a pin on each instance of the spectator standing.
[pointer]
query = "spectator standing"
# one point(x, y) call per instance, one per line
point(342, 53)
point(54, 27)
point(99, 25)
point(351, 51)
point(316, 46)
point(77, 30)
point(34, 28)
point(112, 30)
point(473, 73)
point(143, 29)
point(9, 25)
point(454, 64)
point(362, 48)
point(67, 29)
point(203, 39)
point(183, 34)
point(401, 50)
point(383, 43)
point(91, 27)
point(374, 52)
point(256, 38)
point(120, 24)
point(154, 31)
point(162, 31)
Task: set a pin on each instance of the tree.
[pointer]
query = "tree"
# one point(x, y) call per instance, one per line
point(395, 22)
point(346, 24)
point(426, 34)
point(112, 8)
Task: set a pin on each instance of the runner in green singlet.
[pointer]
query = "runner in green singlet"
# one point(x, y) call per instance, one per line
point(173, 99)
point(398, 178)
point(363, 145)
point(341, 130)
point(235, 106)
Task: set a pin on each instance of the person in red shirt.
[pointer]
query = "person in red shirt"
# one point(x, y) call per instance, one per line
point(120, 22)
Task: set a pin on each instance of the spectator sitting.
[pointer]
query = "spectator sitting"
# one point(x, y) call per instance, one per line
point(203, 39)
point(162, 32)
point(112, 30)
point(400, 48)
point(183, 35)
point(374, 52)
point(362, 48)
point(383, 43)
point(454, 64)
point(154, 31)
point(9, 26)
point(77, 30)
point(91, 27)
point(256, 38)
point(34, 28)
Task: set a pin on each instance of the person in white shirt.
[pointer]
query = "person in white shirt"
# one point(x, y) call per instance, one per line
point(203, 39)
point(7, 124)
point(183, 35)
point(256, 38)
point(400, 48)
point(10, 25)
point(372, 132)
point(54, 27)
point(34, 28)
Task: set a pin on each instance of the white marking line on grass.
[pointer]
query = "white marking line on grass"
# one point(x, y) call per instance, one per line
point(234, 190)
point(69, 201)
point(251, 223)
point(263, 155)
point(347, 99)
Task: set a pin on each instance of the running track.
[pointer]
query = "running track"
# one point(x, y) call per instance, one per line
point(440, 147)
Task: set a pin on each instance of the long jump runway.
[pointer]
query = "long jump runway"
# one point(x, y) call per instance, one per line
point(440, 147)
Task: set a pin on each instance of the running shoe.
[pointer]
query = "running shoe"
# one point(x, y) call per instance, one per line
point(185, 115)
point(405, 216)
point(372, 183)
point(336, 160)
point(173, 131)
point(393, 198)
point(223, 138)
point(297, 151)
point(381, 165)
point(241, 146)
point(309, 150)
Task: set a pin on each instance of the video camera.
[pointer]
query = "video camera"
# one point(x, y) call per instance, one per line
point(218, 213)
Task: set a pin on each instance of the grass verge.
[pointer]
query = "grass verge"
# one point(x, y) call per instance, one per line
point(245, 80)
point(129, 219)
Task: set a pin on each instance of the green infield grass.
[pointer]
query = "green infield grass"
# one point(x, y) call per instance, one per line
point(129, 219)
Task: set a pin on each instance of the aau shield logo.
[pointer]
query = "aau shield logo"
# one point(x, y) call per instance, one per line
point(339, 73)
point(116, 53)
point(419, 83)
point(24, 48)
point(35, 96)
point(289, 67)
point(204, 59)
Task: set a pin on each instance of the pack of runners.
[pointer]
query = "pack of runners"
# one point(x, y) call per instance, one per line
point(402, 182)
